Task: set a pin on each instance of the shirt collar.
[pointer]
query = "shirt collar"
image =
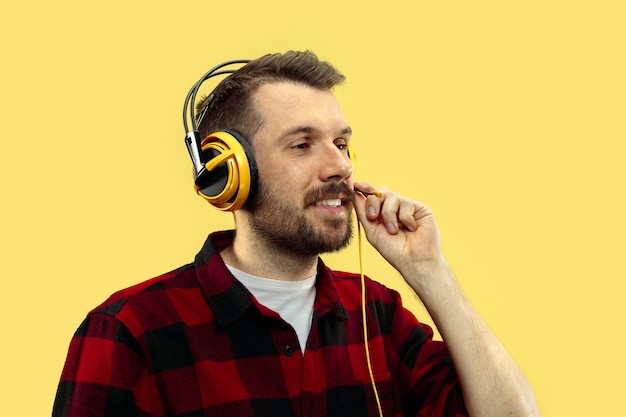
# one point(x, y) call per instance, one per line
point(229, 299)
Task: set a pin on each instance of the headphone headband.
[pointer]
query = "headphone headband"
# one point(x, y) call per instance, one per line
point(190, 101)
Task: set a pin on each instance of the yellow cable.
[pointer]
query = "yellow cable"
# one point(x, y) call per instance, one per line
point(364, 311)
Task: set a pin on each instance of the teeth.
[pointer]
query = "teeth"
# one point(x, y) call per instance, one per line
point(330, 203)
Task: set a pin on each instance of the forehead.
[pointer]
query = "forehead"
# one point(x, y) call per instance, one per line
point(285, 105)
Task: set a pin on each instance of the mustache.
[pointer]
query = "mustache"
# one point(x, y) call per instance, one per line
point(331, 190)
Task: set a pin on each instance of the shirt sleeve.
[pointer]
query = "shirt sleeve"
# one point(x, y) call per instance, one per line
point(105, 373)
point(429, 382)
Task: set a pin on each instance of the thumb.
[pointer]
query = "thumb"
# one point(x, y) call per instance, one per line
point(368, 220)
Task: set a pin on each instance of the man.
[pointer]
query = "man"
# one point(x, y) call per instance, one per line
point(259, 326)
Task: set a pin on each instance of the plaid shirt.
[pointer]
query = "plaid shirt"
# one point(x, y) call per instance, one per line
point(194, 342)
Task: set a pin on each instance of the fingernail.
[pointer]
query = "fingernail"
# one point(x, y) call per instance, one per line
point(390, 227)
point(371, 211)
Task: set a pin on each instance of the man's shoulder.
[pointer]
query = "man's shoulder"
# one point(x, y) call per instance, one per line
point(149, 293)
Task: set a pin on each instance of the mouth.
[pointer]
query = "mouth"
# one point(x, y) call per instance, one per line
point(333, 197)
point(332, 203)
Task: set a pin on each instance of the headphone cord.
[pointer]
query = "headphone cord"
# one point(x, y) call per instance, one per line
point(364, 311)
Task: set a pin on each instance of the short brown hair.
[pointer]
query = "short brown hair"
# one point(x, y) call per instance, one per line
point(232, 107)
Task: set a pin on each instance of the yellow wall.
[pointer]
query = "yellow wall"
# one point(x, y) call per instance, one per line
point(507, 118)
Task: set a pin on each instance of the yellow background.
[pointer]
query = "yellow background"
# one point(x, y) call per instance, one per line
point(507, 118)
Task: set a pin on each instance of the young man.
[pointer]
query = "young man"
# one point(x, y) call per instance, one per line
point(257, 325)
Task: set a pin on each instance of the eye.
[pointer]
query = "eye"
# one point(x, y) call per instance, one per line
point(341, 144)
point(301, 145)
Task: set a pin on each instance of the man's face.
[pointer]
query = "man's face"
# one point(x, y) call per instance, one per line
point(305, 197)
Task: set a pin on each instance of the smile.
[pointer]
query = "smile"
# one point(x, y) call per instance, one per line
point(335, 202)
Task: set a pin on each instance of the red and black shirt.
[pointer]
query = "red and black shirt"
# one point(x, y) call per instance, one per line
point(195, 342)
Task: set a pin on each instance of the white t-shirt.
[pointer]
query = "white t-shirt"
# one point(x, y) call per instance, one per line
point(293, 300)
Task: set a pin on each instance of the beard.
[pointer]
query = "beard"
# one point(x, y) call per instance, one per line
point(286, 226)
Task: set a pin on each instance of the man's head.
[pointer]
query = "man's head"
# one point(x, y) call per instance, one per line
point(284, 106)
point(232, 107)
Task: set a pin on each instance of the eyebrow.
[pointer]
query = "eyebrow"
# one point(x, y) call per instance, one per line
point(311, 130)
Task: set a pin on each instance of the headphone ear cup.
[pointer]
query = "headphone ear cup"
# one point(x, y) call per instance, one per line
point(230, 180)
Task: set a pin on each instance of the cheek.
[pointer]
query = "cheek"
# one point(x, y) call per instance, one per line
point(284, 175)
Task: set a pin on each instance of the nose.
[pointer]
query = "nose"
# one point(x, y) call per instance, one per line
point(335, 164)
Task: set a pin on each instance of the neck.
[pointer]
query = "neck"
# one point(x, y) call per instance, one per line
point(251, 254)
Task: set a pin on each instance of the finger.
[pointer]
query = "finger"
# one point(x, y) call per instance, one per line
point(367, 208)
point(389, 212)
point(364, 186)
point(366, 189)
point(373, 205)
point(369, 221)
point(406, 215)
point(422, 211)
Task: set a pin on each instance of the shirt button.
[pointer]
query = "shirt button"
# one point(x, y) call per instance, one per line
point(288, 350)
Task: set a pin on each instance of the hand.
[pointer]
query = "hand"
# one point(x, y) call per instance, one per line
point(403, 231)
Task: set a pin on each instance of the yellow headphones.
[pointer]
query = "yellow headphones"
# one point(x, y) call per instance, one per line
point(231, 169)
point(225, 170)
